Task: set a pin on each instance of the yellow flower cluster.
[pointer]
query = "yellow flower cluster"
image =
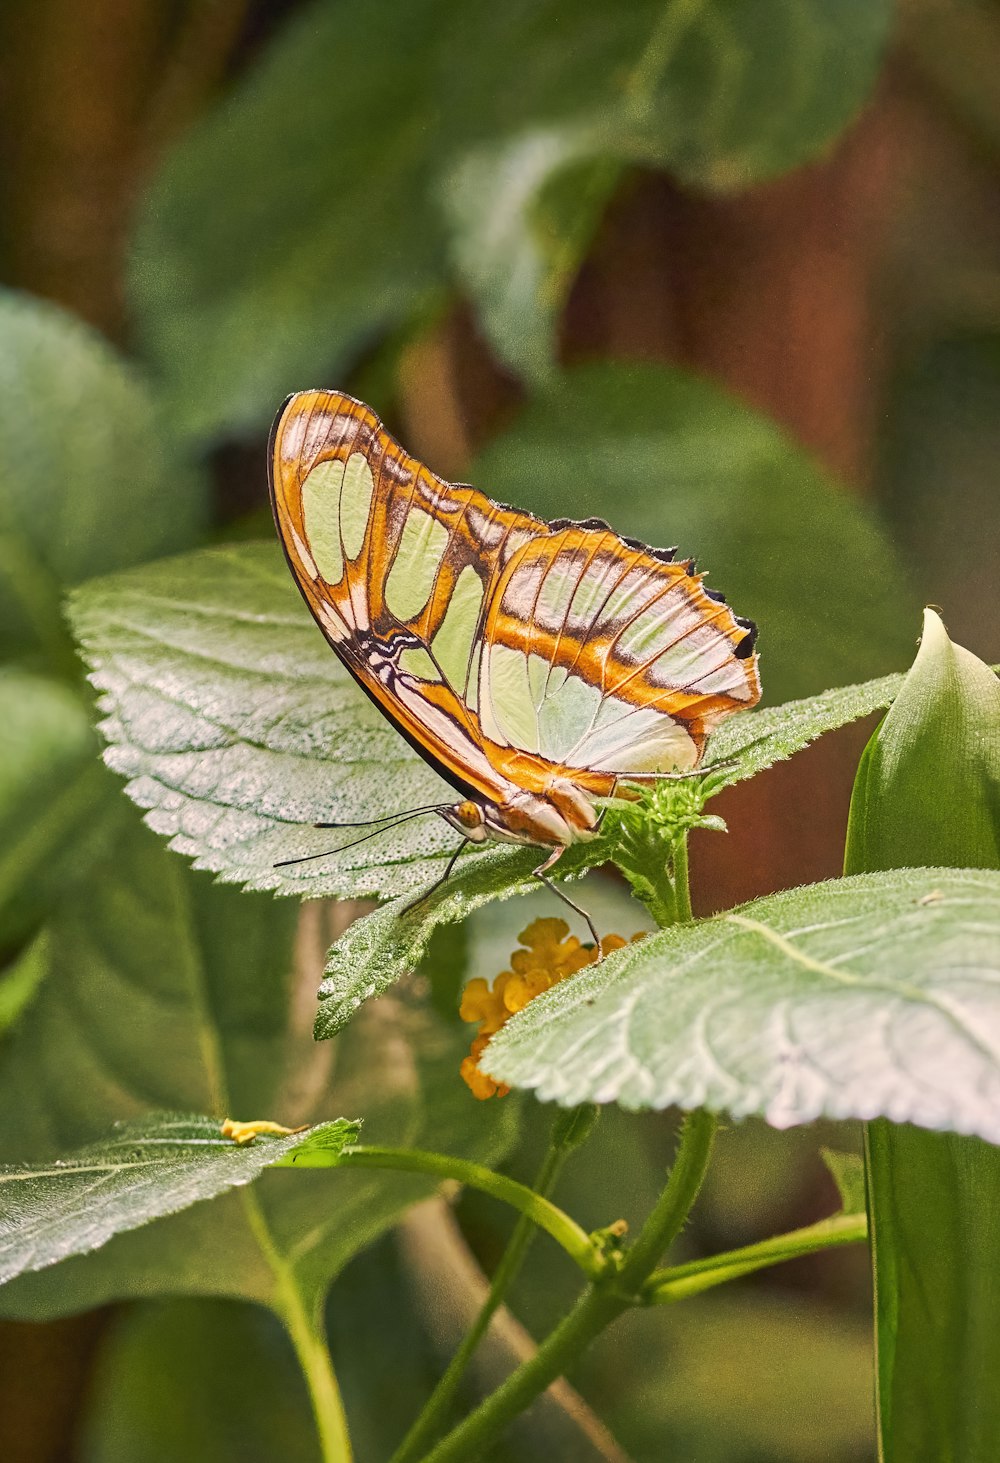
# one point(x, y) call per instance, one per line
point(551, 954)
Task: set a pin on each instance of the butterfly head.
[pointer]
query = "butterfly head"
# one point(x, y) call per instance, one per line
point(468, 817)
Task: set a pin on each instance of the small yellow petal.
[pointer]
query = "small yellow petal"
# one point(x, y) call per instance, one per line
point(546, 931)
point(477, 1000)
point(524, 988)
point(477, 1082)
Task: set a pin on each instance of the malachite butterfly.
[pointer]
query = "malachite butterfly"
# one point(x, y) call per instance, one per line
point(538, 666)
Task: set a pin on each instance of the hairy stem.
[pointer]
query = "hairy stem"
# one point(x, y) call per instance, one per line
point(593, 1311)
point(675, 1203)
point(682, 889)
point(429, 1421)
point(606, 1298)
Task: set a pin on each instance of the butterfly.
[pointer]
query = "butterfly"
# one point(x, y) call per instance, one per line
point(541, 668)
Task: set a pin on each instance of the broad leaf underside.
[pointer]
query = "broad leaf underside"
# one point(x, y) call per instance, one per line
point(869, 996)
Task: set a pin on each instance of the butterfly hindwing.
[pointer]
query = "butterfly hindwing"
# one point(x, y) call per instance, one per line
point(605, 656)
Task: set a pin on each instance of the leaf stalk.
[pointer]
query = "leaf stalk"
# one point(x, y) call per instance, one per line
point(565, 1137)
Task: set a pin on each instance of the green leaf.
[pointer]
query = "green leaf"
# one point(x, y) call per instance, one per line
point(239, 729)
point(166, 991)
point(690, 87)
point(848, 1172)
point(665, 456)
point(158, 1165)
point(380, 949)
point(57, 804)
point(88, 481)
point(852, 998)
point(21, 979)
point(928, 787)
point(295, 224)
point(752, 741)
point(243, 1395)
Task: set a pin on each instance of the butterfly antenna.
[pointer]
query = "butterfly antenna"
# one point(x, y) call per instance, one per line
point(386, 818)
point(385, 828)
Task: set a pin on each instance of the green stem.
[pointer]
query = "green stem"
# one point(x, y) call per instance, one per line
point(595, 1309)
point(430, 1420)
point(304, 1326)
point(317, 1368)
point(604, 1300)
point(682, 888)
point(680, 1281)
point(674, 1204)
point(541, 1211)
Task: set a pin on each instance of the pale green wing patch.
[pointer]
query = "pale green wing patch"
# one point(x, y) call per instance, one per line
point(415, 567)
point(567, 708)
point(417, 663)
point(506, 706)
point(321, 495)
point(336, 504)
point(452, 645)
point(630, 739)
point(355, 503)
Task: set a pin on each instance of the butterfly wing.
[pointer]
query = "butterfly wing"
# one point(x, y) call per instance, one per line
point(603, 655)
point(510, 652)
point(396, 566)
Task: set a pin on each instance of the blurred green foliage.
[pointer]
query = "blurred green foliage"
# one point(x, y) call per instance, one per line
point(358, 171)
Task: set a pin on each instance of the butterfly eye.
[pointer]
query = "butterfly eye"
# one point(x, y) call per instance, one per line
point(469, 814)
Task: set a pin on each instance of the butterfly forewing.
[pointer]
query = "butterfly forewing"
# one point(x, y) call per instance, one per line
point(396, 566)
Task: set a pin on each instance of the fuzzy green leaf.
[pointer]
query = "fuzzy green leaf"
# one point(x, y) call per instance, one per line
point(239, 729)
point(88, 481)
point(686, 87)
point(156, 1166)
point(57, 804)
point(849, 999)
point(165, 991)
point(752, 741)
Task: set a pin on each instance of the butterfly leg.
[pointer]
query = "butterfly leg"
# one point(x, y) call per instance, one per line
point(542, 874)
point(422, 898)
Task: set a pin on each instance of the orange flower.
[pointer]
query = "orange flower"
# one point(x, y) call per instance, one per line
point(550, 954)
